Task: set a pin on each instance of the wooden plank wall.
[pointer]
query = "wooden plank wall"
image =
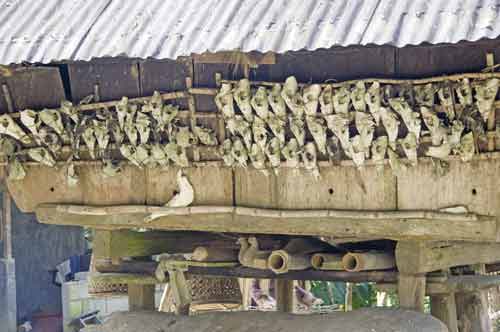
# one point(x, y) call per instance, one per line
point(339, 187)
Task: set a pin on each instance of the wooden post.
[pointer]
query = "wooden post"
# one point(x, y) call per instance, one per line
point(472, 312)
point(444, 308)
point(491, 123)
point(141, 297)
point(192, 115)
point(411, 291)
point(285, 295)
point(221, 126)
point(8, 98)
point(7, 225)
point(348, 296)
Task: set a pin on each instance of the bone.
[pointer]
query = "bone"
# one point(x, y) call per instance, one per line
point(365, 126)
point(41, 155)
point(467, 147)
point(239, 152)
point(464, 92)
point(52, 118)
point(309, 158)
point(373, 100)
point(297, 128)
point(439, 152)
point(9, 127)
point(273, 152)
point(90, 140)
point(446, 99)
point(379, 149)
point(277, 102)
point(486, 92)
point(433, 124)
point(260, 133)
point(242, 96)
point(277, 126)
point(358, 96)
point(311, 98)
point(291, 153)
point(341, 99)
point(326, 100)
point(292, 97)
point(142, 123)
point(424, 94)
point(258, 158)
point(206, 136)
point(260, 103)
point(357, 151)
point(409, 145)
point(339, 125)
point(317, 128)
point(226, 152)
point(224, 100)
point(158, 155)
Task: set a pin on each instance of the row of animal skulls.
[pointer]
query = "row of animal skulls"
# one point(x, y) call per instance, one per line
point(264, 102)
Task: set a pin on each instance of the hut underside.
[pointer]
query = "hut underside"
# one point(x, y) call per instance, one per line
point(437, 221)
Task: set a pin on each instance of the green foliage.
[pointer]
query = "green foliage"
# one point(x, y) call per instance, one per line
point(363, 294)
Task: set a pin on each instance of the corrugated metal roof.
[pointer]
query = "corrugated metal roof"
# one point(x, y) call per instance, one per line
point(46, 30)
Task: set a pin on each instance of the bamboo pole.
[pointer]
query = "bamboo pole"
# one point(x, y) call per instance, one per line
point(326, 261)
point(211, 254)
point(365, 261)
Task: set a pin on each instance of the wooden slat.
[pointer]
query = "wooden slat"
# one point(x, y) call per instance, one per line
point(236, 58)
point(262, 221)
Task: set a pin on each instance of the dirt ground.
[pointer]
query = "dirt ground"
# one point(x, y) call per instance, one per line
point(366, 320)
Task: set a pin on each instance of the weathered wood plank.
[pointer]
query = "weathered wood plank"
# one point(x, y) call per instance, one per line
point(339, 188)
point(472, 311)
point(444, 308)
point(426, 257)
point(261, 221)
point(285, 293)
point(141, 297)
point(475, 185)
point(411, 291)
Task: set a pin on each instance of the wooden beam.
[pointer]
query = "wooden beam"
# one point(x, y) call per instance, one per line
point(411, 291)
point(472, 312)
point(444, 308)
point(149, 268)
point(141, 297)
point(7, 225)
point(285, 291)
point(417, 225)
point(125, 243)
point(424, 257)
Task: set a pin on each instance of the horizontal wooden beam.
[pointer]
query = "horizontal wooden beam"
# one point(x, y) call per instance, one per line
point(454, 284)
point(148, 268)
point(417, 225)
point(425, 257)
point(125, 243)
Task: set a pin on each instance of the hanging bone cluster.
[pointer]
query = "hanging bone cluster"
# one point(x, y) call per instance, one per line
point(146, 134)
point(363, 120)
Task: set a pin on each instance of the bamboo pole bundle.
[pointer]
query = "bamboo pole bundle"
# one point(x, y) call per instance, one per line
point(327, 261)
point(364, 261)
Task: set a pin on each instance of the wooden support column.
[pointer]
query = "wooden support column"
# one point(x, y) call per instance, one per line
point(348, 296)
point(411, 291)
point(285, 295)
point(472, 312)
point(141, 297)
point(444, 308)
point(7, 225)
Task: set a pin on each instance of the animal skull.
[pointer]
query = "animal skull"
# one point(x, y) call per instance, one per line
point(258, 158)
point(309, 157)
point(9, 127)
point(52, 118)
point(391, 125)
point(184, 137)
point(439, 152)
point(273, 152)
point(339, 125)
point(260, 133)
point(239, 152)
point(424, 94)
point(90, 140)
point(205, 136)
point(464, 92)
point(432, 122)
point(410, 118)
point(226, 151)
point(42, 156)
point(277, 126)
point(326, 100)
point(317, 128)
point(373, 99)
point(291, 153)
point(158, 155)
point(466, 149)
point(72, 177)
point(224, 100)
point(242, 95)
point(485, 96)
point(260, 103)
point(71, 111)
point(297, 127)
point(365, 126)
point(311, 98)
point(409, 144)
point(277, 102)
point(15, 170)
point(358, 96)
point(292, 97)
point(357, 151)
point(237, 125)
point(341, 100)
point(378, 149)
point(446, 98)
point(30, 120)
point(142, 124)
point(101, 134)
